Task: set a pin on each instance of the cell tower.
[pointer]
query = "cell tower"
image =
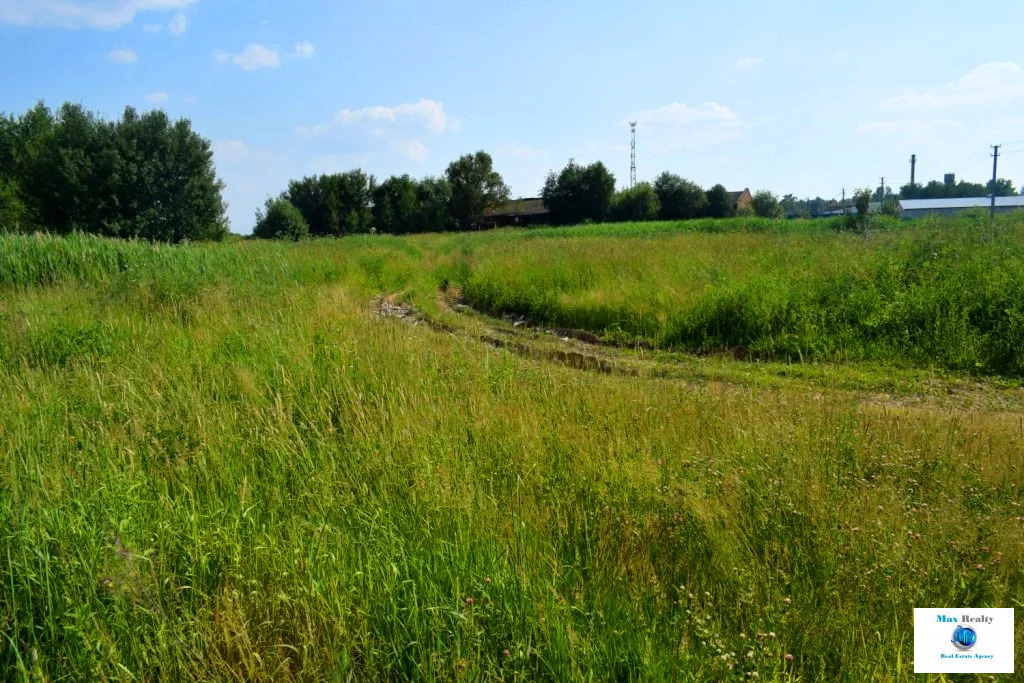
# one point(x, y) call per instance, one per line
point(632, 154)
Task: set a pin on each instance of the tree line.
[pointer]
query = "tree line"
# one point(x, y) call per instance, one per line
point(939, 190)
point(353, 202)
point(141, 176)
point(470, 190)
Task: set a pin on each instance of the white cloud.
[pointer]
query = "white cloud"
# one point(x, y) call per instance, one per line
point(103, 14)
point(153, 28)
point(233, 151)
point(428, 113)
point(178, 25)
point(679, 127)
point(991, 82)
point(123, 55)
point(255, 56)
point(411, 149)
point(156, 97)
point(747, 62)
point(304, 49)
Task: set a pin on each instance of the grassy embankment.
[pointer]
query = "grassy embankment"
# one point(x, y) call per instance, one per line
point(217, 463)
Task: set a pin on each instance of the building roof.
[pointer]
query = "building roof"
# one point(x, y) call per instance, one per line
point(958, 203)
point(738, 194)
point(531, 206)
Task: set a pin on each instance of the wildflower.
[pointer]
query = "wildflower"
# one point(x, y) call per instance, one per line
point(787, 601)
point(487, 580)
point(469, 601)
point(506, 653)
point(771, 634)
point(789, 657)
point(108, 582)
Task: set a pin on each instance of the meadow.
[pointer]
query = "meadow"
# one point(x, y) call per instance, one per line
point(221, 462)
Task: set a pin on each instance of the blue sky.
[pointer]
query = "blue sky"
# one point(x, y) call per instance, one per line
point(794, 97)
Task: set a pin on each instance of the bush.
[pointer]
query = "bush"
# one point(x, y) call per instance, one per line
point(638, 203)
point(281, 220)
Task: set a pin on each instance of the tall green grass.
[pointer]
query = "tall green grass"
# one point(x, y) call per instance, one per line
point(281, 485)
point(942, 293)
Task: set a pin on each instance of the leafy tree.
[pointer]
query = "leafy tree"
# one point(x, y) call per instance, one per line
point(475, 187)
point(1003, 188)
point(164, 183)
point(766, 204)
point(334, 204)
point(280, 220)
point(434, 197)
point(679, 198)
point(719, 202)
point(12, 208)
point(140, 176)
point(321, 211)
point(395, 205)
point(579, 193)
point(638, 203)
point(862, 202)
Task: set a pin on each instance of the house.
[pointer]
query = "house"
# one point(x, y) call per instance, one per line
point(916, 208)
point(529, 211)
point(740, 198)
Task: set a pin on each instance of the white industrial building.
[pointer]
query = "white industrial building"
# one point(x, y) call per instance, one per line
point(916, 208)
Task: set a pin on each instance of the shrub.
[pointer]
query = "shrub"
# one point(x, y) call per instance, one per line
point(280, 220)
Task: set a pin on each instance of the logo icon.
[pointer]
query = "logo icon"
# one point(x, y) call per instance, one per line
point(964, 638)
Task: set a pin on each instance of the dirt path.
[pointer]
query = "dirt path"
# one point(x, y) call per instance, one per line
point(869, 385)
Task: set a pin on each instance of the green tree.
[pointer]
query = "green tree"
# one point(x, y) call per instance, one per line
point(638, 203)
point(719, 202)
point(280, 219)
point(1003, 188)
point(579, 193)
point(680, 199)
point(395, 205)
point(766, 204)
point(164, 183)
point(475, 187)
point(434, 214)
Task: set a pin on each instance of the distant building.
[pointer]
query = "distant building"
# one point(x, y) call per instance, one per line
point(916, 208)
point(529, 211)
point(740, 198)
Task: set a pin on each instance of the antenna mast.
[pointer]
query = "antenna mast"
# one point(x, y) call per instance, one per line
point(632, 154)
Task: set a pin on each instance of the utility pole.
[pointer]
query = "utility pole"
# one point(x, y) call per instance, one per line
point(913, 163)
point(995, 160)
point(881, 193)
point(842, 204)
point(632, 154)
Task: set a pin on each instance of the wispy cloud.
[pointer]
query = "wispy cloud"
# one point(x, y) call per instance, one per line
point(178, 25)
point(255, 56)
point(237, 150)
point(427, 113)
point(414, 150)
point(101, 14)
point(156, 97)
point(680, 127)
point(304, 49)
point(123, 55)
point(747, 62)
point(986, 83)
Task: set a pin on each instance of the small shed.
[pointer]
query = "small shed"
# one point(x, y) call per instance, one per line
point(528, 211)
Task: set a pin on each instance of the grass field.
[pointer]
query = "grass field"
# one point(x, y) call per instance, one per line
point(221, 463)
